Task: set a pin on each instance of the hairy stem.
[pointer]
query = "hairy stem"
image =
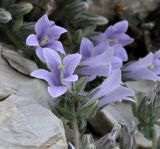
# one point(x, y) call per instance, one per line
point(75, 129)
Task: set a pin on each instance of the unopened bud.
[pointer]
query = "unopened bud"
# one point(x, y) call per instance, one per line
point(5, 16)
point(20, 9)
point(76, 8)
point(88, 142)
point(86, 20)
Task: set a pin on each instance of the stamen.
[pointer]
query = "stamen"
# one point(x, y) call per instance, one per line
point(43, 41)
point(61, 67)
point(151, 66)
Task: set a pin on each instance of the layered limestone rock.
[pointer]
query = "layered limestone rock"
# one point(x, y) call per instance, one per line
point(26, 119)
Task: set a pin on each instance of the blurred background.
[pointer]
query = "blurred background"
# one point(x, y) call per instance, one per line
point(82, 18)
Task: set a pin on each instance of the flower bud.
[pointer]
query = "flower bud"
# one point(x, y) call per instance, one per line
point(20, 9)
point(5, 16)
point(88, 20)
point(88, 142)
point(76, 8)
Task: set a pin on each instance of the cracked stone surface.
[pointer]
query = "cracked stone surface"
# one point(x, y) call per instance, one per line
point(26, 120)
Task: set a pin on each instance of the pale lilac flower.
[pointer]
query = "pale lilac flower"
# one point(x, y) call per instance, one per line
point(61, 72)
point(96, 61)
point(147, 68)
point(100, 60)
point(47, 35)
point(120, 52)
point(114, 34)
point(111, 90)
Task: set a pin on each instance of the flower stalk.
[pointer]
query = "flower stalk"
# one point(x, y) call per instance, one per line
point(75, 128)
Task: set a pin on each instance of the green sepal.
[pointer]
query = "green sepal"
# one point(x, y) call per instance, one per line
point(77, 37)
point(17, 24)
point(88, 30)
point(66, 113)
point(80, 85)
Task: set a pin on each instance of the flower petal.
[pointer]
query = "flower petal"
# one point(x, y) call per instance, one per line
point(98, 38)
point(55, 32)
point(94, 70)
point(120, 93)
point(56, 91)
point(86, 47)
point(140, 74)
point(141, 63)
point(70, 63)
point(108, 85)
point(40, 54)
point(120, 27)
point(53, 59)
point(116, 63)
point(44, 75)
point(71, 78)
point(120, 52)
point(56, 45)
point(100, 48)
point(102, 59)
point(156, 55)
point(42, 24)
point(109, 32)
point(124, 39)
point(32, 40)
point(156, 66)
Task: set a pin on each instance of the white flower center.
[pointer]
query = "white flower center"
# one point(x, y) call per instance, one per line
point(61, 68)
point(43, 41)
point(151, 66)
point(113, 40)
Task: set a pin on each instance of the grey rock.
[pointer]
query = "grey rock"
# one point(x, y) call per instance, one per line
point(6, 92)
point(26, 118)
point(23, 85)
point(18, 62)
point(142, 86)
point(26, 124)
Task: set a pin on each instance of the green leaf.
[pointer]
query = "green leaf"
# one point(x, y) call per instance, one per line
point(66, 113)
point(77, 36)
point(18, 22)
point(80, 85)
point(148, 132)
point(89, 29)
